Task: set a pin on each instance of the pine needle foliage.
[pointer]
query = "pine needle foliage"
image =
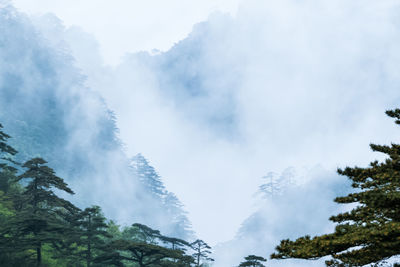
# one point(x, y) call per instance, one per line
point(42, 216)
point(370, 232)
point(253, 261)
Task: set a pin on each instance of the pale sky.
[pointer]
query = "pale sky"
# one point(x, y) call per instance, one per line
point(315, 80)
point(122, 26)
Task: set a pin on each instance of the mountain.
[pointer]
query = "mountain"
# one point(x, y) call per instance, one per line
point(287, 213)
point(193, 75)
point(49, 111)
point(165, 202)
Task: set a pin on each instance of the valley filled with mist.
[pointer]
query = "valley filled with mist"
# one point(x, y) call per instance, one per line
point(217, 147)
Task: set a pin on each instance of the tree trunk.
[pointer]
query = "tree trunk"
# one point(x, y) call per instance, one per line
point(198, 258)
point(89, 252)
point(89, 256)
point(39, 255)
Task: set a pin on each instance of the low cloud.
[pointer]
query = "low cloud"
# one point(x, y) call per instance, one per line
point(279, 84)
point(294, 83)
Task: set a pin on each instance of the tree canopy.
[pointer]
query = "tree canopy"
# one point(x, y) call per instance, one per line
point(368, 233)
point(42, 216)
point(253, 261)
point(40, 228)
point(90, 234)
point(201, 251)
point(4, 147)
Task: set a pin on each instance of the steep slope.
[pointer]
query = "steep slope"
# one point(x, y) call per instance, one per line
point(283, 83)
point(47, 109)
point(161, 200)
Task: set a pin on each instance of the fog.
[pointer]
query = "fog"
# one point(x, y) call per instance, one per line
point(130, 25)
point(251, 89)
point(288, 84)
point(50, 113)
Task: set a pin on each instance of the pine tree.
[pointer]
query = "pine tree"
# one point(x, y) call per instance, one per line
point(42, 216)
point(368, 233)
point(7, 172)
point(144, 254)
point(272, 186)
point(181, 226)
point(4, 147)
point(201, 251)
point(276, 185)
point(253, 261)
point(169, 206)
point(141, 233)
point(148, 176)
point(141, 245)
point(181, 245)
point(175, 243)
point(91, 234)
point(9, 190)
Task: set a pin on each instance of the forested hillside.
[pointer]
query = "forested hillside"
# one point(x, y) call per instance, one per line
point(50, 113)
point(93, 156)
point(38, 227)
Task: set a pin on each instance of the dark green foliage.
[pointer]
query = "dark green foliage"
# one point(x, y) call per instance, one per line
point(7, 172)
point(8, 179)
point(175, 243)
point(141, 245)
point(181, 245)
point(202, 251)
point(8, 191)
point(39, 228)
point(111, 258)
point(145, 254)
point(42, 216)
point(43, 103)
point(368, 233)
point(91, 234)
point(142, 233)
point(4, 147)
point(113, 230)
point(253, 261)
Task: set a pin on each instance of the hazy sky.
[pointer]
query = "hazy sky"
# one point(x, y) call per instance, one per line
point(124, 26)
point(267, 86)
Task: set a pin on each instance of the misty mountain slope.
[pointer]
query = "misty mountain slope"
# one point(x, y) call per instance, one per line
point(262, 72)
point(49, 112)
point(202, 89)
point(285, 83)
point(298, 205)
point(42, 97)
point(161, 200)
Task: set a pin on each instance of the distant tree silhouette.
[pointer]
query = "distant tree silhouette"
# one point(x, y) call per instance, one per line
point(253, 261)
point(370, 232)
point(202, 251)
